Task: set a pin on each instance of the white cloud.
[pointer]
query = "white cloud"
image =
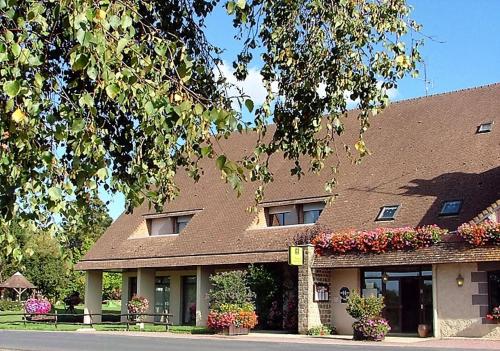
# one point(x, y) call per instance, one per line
point(253, 86)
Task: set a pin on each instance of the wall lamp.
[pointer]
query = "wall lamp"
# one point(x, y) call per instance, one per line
point(460, 280)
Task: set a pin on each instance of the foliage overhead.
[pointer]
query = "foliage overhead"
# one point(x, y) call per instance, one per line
point(119, 95)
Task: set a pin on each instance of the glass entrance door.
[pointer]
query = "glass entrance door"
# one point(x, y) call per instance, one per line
point(189, 300)
point(162, 296)
point(407, 292)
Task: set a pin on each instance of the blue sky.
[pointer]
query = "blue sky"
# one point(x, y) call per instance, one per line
point(465, 52)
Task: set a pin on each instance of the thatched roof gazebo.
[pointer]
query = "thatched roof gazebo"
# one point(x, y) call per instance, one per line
point(18, 283)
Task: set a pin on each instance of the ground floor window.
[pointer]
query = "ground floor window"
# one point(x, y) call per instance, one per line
point(132, 287)
point(162, 296)
point(494, 288)
point(408, 295)
point(189, 300)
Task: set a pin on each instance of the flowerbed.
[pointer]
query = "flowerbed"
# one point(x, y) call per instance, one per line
point(37, 306)
point(241, 319)
point(378, 240)
point(485, 233)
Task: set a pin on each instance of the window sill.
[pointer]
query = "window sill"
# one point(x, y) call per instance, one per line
point(282, 226)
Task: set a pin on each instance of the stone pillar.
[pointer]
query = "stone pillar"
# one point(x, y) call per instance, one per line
point(202, 287)
point(435, 310)
point(306, 310)
point(125, 297)
point(93, 296)
point(146, 288)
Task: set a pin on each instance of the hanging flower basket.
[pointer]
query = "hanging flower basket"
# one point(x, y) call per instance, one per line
point(136, 306)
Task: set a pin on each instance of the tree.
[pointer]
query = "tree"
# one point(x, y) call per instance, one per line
point(120, 95)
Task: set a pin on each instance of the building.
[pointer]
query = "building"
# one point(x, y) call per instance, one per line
point(434, 160)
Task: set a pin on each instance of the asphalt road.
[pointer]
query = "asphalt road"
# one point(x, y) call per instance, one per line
point(68, 341)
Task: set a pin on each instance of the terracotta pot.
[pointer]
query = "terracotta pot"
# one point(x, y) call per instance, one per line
point(233, 330)
point(424, 330)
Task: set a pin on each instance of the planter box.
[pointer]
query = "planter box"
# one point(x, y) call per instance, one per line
point(233, 330)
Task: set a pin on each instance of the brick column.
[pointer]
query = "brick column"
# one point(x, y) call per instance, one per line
point(93, 296)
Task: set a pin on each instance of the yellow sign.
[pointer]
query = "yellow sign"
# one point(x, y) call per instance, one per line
point(295, 256)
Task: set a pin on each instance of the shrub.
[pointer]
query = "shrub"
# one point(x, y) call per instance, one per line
point(373, 329)
point(359, 307)
point(321, 330)
point(231, 302)
point(37, 306)
point(229, 288)
point(369, 324)
point(6, 305)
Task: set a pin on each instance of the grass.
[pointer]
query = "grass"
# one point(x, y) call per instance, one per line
point(11, 321)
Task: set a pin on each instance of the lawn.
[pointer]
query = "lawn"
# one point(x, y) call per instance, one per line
point(9, 320)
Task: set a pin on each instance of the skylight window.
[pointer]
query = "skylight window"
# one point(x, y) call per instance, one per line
point(485, 127)
point(451, 208)
point(387, 213)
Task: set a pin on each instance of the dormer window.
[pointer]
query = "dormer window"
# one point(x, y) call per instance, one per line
point(484, 127)
point(168, 223)
point(180, 223)
point(298, 213)
point(312, 212)
point(388, 213)
point(451, 208)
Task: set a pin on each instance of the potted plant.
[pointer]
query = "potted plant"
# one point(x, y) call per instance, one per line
point(136, 306)
point(367, 311)
point(37, 308)
point(424, 330)
point(232, 310)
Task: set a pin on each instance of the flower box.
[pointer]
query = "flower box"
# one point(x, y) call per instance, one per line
point(233, 330)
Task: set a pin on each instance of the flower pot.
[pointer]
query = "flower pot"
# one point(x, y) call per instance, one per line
point(234, 330)
point(424, 330)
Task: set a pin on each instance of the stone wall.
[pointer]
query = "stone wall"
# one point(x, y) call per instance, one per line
point(312, 313)
point(461, 311)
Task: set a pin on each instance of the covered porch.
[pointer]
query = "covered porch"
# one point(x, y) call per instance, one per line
point(181, 292)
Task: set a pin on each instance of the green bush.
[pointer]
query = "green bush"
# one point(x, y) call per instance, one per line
point(229, 288)
point(321, 330)
point(360, 307)
point(6, 305)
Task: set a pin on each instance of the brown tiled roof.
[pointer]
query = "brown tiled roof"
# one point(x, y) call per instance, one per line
point(424, 151)
point(439, 253)
point(487, 211)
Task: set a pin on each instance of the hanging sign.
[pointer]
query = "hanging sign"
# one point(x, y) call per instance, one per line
point(344, 294)
point(321, 292)
point(295, 256)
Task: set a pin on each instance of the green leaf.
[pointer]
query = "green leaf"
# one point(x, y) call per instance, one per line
point(112, 90)
point(78, 125)
point(126, 21)
point(206, 151)
point(230, 7)
point(149, 108)
point(102, 173)
point(198, 109)
point(55, 193)
point(92, 72)
point(12, 88)
point(80, 63)
point(39, 80)
point(86, 100)
point(220, 162)
point(121, 45)
point(16, 49)
point(249, 105)
point(241, 4)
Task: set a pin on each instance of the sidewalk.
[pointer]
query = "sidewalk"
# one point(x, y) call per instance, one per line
point(449, 343)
